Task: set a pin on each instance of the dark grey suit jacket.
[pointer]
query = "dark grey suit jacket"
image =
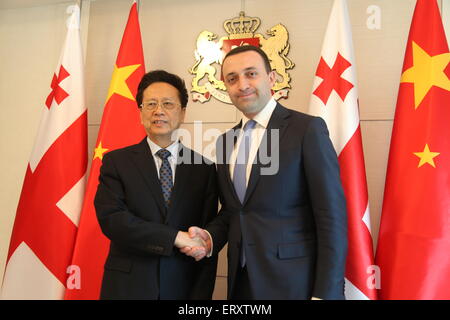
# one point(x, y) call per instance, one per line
point(143, 262)
point(293, 224)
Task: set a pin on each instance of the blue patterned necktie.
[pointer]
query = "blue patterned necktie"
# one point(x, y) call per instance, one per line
point(240, 168)
point(165, 175)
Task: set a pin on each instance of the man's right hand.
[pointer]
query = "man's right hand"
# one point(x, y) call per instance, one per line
point(198, 253)
point(194, 245)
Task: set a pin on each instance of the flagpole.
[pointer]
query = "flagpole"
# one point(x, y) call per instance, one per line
point(83, 23)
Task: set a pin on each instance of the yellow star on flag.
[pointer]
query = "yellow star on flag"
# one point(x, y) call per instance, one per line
point(426, 156)
point(427, 71)
point(118, 81)
point(99, 151)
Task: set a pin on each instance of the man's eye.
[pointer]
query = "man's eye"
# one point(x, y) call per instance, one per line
point(168, 104)
point(231, 79)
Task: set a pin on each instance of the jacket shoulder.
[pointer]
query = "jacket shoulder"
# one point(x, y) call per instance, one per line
point(195, 157)
point(124, 151)
point(299, 116)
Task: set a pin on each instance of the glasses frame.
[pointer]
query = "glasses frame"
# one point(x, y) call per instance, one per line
point(160, 104)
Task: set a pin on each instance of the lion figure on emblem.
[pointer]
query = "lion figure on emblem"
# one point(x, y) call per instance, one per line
point(208, 51)
point(277, 47)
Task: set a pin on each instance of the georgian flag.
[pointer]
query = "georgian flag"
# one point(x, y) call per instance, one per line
point(335, 99)
point(45, 226)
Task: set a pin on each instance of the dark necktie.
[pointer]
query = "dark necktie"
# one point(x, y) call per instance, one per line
point(165, 175)
point(240, 173)
point(240, 168)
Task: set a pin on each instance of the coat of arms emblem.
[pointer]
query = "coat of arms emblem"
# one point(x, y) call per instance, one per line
point(241, 31)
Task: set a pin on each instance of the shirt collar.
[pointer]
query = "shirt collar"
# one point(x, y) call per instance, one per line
point(262, 118)
point(173, 148)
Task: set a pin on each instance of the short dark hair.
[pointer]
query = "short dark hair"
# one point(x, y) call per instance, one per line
point(163, 76)
point(245, 48)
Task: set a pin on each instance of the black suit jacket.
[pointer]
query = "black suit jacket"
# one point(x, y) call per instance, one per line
point(143, 262)
point(293, 224)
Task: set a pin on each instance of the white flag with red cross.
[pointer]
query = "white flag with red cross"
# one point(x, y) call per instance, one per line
point(45, 226)
point(335, 99)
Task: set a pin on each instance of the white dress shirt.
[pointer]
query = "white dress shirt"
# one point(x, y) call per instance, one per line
point(262, 120)
point(173, 149)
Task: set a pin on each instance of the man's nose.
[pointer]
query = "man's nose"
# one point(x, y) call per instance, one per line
point(243, 84)
point(159, 109)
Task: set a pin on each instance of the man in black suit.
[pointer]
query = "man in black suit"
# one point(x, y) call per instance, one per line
point(150, 191)
point(283, 208)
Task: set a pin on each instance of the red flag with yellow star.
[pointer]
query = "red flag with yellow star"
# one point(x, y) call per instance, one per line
point(120, 127)
point(414, 239)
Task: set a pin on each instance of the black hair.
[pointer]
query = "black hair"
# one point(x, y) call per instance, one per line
point(246, 48)
point(163, 76)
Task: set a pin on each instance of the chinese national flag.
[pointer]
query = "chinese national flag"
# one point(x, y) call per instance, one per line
point(45, 227)
point(414, 242)
point(120, 127)
point(335, 99)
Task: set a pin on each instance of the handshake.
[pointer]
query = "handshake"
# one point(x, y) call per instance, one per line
point(195, 243)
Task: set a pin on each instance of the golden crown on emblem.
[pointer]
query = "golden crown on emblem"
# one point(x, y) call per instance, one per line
point(242, 26)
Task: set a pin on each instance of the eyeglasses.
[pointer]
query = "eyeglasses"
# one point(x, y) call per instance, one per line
point(152, 105)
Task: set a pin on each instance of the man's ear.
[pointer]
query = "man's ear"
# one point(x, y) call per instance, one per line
point(272, 78)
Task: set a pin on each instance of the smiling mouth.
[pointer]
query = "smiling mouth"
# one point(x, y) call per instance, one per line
point(159, 121)
point(246, 95)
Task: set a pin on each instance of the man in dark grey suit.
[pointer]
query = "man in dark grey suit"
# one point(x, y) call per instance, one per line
point(147, 194)
point(284, 219)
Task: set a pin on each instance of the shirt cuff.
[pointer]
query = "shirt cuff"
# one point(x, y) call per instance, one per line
point(209, 254)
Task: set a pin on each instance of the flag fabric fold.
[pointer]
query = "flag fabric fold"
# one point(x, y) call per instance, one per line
point(414, 238)
point(120, 126)
point(335, 99)
point(47, 216)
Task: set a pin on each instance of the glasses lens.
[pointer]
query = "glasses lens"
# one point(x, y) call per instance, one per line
point(151, 105)
point(168, 105)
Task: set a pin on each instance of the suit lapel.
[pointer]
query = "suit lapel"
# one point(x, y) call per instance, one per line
point(278, 121)
point(145, 163)
point(182, 177)
point(228, 143)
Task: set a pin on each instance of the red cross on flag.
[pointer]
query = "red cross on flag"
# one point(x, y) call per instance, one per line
point(47, 215)
point(58, 94)
point(414, 241)
point(335, 99)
